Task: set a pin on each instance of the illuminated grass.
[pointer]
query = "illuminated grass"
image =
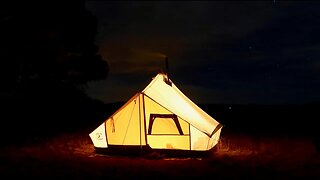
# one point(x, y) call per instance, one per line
point(236, 156)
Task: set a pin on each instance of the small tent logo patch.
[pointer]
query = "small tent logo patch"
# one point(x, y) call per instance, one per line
point(99, 136)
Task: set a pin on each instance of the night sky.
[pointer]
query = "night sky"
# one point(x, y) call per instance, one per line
point(221, 52)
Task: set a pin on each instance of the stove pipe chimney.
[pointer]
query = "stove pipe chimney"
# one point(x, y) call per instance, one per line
point(167, 80)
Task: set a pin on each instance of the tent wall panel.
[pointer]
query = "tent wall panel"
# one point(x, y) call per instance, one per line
point(123, 127)
point(98, 136)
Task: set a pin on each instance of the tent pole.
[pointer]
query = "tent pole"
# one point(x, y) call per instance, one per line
point(144, 119)
point(189, 137)
point(140, 125)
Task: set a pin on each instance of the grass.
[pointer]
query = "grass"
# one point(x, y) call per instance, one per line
point(238, 156)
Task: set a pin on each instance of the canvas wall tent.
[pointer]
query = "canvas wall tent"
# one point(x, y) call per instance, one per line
point(160, 117)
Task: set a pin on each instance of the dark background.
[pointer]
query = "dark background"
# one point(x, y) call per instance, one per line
point(49, 54)
point(220, 52)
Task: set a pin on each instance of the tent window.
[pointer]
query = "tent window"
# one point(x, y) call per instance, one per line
point(172, 117)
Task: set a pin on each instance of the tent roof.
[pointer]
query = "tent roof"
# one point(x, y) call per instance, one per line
point(163, 91)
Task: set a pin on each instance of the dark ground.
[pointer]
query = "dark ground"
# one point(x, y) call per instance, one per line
point(237, 157)
point(279, 151)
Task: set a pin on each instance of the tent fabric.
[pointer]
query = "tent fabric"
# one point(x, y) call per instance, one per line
point(160, 117)
point(175, 101)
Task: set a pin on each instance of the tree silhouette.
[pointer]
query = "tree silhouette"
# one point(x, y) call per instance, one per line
point(47, 51)
point(52, 42)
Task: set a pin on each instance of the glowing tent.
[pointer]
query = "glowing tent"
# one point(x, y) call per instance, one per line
point(160, 118)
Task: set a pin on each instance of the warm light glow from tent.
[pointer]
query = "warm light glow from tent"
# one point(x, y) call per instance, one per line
point(162, 117)
point(169, 142)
